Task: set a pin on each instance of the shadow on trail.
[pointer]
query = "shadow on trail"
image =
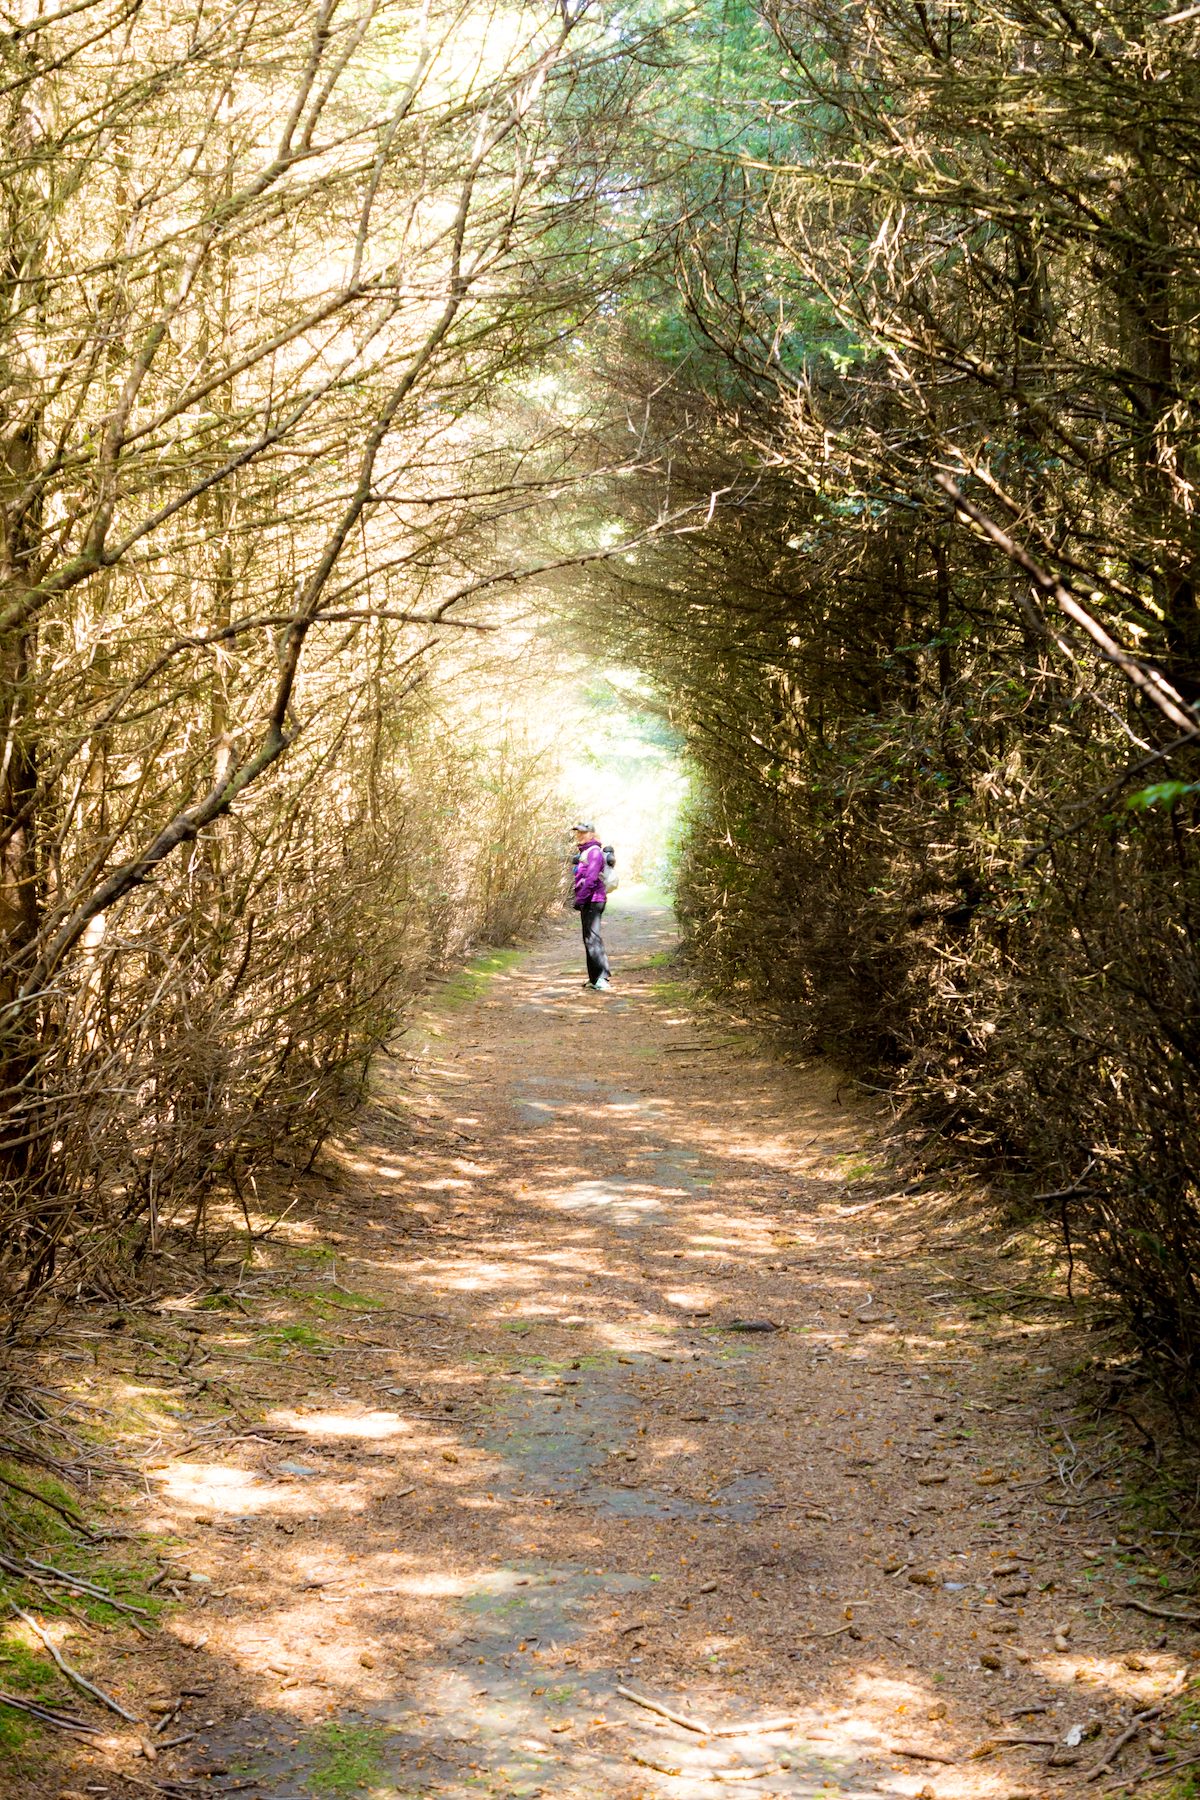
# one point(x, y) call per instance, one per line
point(571, 1446)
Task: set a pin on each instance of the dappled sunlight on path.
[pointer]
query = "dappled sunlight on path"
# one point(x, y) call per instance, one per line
point(632, 1389)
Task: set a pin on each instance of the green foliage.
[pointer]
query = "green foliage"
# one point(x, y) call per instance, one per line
point(1161, 793)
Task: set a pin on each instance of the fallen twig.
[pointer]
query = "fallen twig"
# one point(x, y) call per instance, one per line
point(31, 1566)
point(1149, 1772)
point(72, 1674)
point(65, 1513)
point(1119, 1742)
point(1007, 1741)
point(752, 1728)
point(644, 1762)
point(664, 1712)
point(756, 1728)
point(50, 1715)
point(919, 1755)
point(1161, 1612)
point(179, 1787)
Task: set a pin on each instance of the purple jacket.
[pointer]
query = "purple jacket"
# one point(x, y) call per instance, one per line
point(589, 885)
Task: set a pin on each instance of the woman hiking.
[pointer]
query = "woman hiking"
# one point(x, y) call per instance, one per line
point(590, 897)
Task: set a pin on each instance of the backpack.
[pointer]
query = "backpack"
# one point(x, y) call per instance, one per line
point(608, 870)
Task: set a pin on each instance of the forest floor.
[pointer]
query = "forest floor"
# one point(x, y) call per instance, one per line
point(601, 1361)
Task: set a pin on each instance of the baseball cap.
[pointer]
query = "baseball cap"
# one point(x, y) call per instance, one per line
point(583, 825)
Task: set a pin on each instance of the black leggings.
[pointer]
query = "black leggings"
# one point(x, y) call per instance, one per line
point(593, 944)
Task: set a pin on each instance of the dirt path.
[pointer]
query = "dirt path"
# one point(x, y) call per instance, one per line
point(606, 1363)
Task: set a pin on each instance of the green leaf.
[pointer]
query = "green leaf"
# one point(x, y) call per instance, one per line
point(1161, 793)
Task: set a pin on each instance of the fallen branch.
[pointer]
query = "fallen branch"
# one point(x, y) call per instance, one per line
point(919, 1755)
point(32, 1567)
point(644, 1762)
point(80, 1681)
point(1161, 1612)
point(177, 1786)
point(1007, 1742)
point(1149, 1772)
point(1120, 1741)
point(754, 1728)
point(49, 1715)
point(757, 1728)
point(664, 1712)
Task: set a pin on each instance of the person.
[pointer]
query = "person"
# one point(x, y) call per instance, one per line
point(589, 904)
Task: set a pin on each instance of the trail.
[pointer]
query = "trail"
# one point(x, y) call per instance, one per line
point(623, 1370)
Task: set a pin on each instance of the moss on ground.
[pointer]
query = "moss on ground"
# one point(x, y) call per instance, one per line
point(295, 1337)
point(340, 1300)
point(30, 1503)
point(673, 993)
point(18, 1738)
point(347, 1757)
point(26, 1671)
point(473, 980)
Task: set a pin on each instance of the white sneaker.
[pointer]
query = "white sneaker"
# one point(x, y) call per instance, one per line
point(603, 985)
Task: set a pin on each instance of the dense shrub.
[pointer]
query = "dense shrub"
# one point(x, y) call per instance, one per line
point(956, 902)
point(226, 1014)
